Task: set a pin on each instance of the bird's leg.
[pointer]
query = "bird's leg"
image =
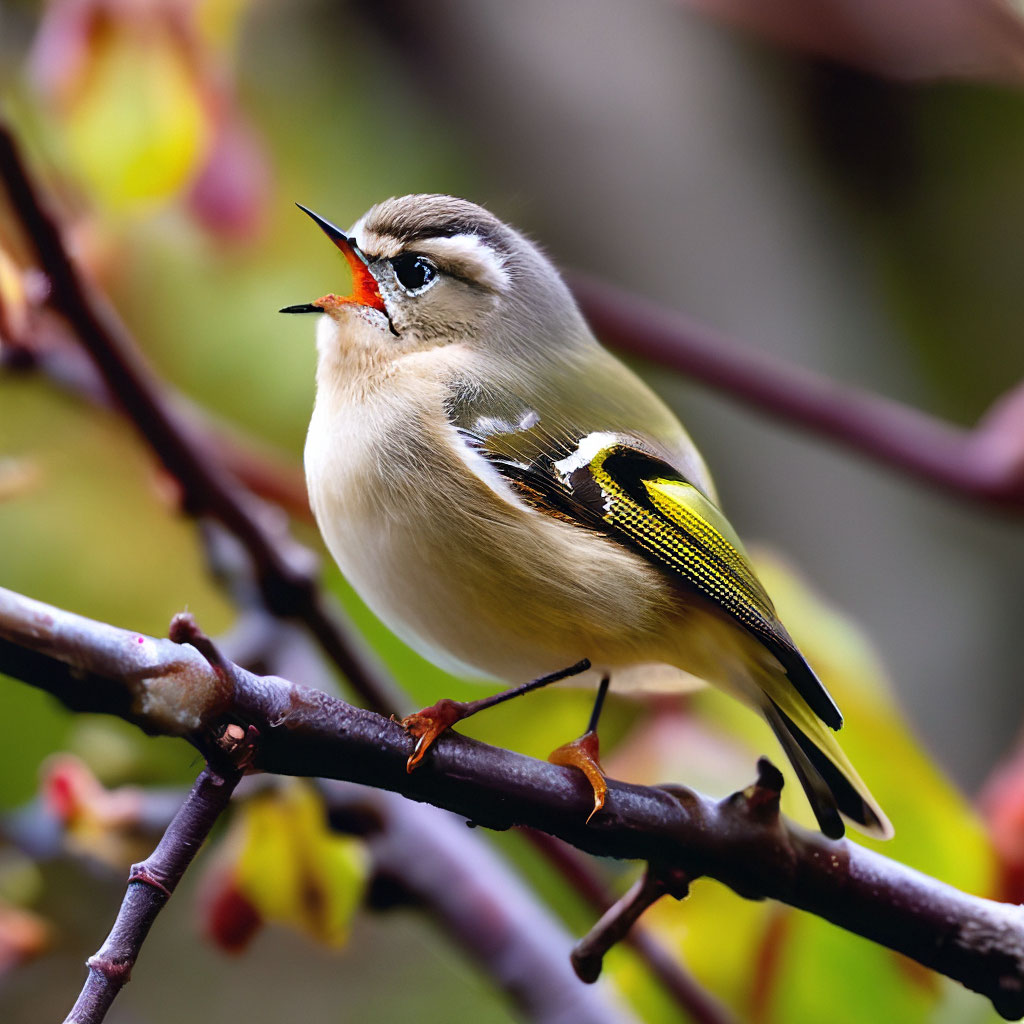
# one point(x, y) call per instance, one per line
point(426, 725)
point(584, 753)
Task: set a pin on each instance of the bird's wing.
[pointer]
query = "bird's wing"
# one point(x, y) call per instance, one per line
point(609, 483)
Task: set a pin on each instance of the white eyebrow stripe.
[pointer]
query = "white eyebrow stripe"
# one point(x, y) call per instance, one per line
point(488, 266)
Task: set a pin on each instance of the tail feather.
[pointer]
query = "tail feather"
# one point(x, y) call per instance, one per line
point(819, 794)
point(831, 783)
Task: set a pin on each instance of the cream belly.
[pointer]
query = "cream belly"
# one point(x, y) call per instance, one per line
point(469, 576)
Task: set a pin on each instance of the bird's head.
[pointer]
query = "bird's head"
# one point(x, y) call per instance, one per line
point(432, 270)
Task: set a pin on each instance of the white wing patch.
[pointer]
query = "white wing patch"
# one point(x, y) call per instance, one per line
point(585, 452)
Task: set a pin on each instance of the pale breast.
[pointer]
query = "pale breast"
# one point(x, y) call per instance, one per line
point(447, 556)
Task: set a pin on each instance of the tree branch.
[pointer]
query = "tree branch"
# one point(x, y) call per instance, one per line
point(150, 885)
point(618, 920)
point(986, 463)
point(741, 841)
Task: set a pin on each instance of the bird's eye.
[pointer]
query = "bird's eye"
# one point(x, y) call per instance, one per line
point(413, 272)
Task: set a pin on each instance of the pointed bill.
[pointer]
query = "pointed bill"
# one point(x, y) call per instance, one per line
point(364, 285)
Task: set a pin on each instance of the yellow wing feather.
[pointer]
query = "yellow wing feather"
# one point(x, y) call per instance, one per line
point(642, 501)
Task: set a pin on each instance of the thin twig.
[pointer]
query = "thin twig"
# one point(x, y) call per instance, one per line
point(150, 885)
point(986, 463)
point(578, 871)
point(741, 841)
point(618, 920)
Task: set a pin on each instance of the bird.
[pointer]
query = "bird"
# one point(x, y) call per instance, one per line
point(516, 504)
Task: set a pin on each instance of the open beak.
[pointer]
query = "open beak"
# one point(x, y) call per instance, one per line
point(364, 285)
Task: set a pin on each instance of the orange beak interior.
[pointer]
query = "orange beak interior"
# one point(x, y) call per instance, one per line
point(364, 285)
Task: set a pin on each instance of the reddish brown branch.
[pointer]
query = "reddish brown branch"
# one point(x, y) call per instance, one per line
point(150, 885)
point(986, 463)
point(741, 841)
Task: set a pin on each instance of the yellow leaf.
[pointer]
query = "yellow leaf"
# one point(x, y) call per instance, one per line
point(294, 870)
point(136, 126)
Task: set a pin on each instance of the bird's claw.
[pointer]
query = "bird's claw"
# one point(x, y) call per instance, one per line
point(584, 754)
point(426, 725)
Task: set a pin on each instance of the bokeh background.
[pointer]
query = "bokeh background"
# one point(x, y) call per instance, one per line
point(838, 184)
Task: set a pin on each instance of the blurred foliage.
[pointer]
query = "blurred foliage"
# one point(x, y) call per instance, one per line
point(139, 99)
point(280, 863)
point(96, 822)
point(898, 158)
point(175, 137)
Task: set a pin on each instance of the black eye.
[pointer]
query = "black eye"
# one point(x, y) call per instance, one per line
point(412, 271)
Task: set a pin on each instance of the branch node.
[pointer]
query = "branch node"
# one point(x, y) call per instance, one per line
point(658, 880)
point(117, 971)
point(769, 777)
point(238, 744)
point(142, 873)
point(185, 630)
point(760, 801)
point(110, 967)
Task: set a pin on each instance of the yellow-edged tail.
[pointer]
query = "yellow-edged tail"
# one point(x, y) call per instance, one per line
point(833, 787)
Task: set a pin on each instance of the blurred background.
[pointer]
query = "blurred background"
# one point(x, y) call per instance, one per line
point(838, 184)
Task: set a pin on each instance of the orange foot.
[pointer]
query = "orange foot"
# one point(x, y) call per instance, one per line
point(426, 725)
point(584, 754)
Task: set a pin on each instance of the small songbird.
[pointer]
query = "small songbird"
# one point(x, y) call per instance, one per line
point(512, 500)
